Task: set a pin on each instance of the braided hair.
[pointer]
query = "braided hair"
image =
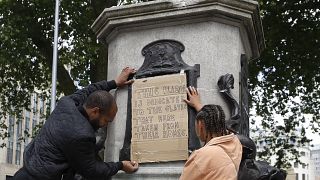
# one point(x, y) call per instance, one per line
point(214, 119)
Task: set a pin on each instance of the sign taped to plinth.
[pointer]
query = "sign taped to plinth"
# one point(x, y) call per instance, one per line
point(159, 119)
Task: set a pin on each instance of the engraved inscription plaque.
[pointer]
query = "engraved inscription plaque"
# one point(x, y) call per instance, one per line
point(159, 119)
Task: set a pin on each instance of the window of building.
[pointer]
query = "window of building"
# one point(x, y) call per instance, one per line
point(27, 114)
point(18, 153)
point(27, 123)
point(41, 106)
point(19, 130)
point(296, 164)
point(34, 122)
point(10, 152)
point(11, 127)
point(27, 128)
point(303, 166)
point(297, 176)
point(35, 103)
point(48, 105)
point(303, 153)
point(10, 139)
point(303, 177)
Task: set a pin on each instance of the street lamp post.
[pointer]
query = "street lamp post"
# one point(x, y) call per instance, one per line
point(55, 57)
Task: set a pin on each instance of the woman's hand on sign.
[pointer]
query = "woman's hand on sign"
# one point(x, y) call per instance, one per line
point(130, 166)
point(123, 78)
point(193, 98)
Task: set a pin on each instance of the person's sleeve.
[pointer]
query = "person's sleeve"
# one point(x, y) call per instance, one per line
point(80, 96)
point(191, 170)
point(80, 155)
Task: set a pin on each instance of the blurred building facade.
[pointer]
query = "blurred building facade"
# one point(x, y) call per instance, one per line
point(20, 130)
point(298, 171)
point(315, 155)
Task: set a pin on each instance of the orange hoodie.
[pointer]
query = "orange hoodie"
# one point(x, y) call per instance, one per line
point(219, 159)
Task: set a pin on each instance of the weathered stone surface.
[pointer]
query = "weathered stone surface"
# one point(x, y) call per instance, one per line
point(163, 171)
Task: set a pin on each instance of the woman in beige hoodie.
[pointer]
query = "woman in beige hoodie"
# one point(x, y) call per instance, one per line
point(220, 158)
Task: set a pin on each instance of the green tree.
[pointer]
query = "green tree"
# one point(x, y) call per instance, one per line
point(288, 68)
point(285, 80)
point(26, 48)
point(26, 36)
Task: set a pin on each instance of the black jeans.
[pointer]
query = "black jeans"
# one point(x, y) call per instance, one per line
point(22, 174)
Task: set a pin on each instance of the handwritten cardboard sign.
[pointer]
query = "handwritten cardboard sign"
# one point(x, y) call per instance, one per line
point(159, 119)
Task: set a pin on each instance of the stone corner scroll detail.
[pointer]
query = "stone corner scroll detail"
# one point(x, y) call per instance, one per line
point(239, 120)
point(225, 84)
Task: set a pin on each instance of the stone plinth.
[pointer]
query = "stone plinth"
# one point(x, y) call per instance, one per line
point(215, 34)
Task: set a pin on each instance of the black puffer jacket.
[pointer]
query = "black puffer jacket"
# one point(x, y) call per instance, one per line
point(67, 141)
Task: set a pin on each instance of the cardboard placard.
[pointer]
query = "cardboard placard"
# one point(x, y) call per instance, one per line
point(159, 119)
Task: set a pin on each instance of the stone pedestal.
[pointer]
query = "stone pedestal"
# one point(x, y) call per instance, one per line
point(156, 171)
point(215, 33)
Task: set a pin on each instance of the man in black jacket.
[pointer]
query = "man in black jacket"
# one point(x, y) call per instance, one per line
point(67, 140)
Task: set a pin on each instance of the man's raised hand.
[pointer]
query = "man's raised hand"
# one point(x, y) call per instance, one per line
point(122, 79)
